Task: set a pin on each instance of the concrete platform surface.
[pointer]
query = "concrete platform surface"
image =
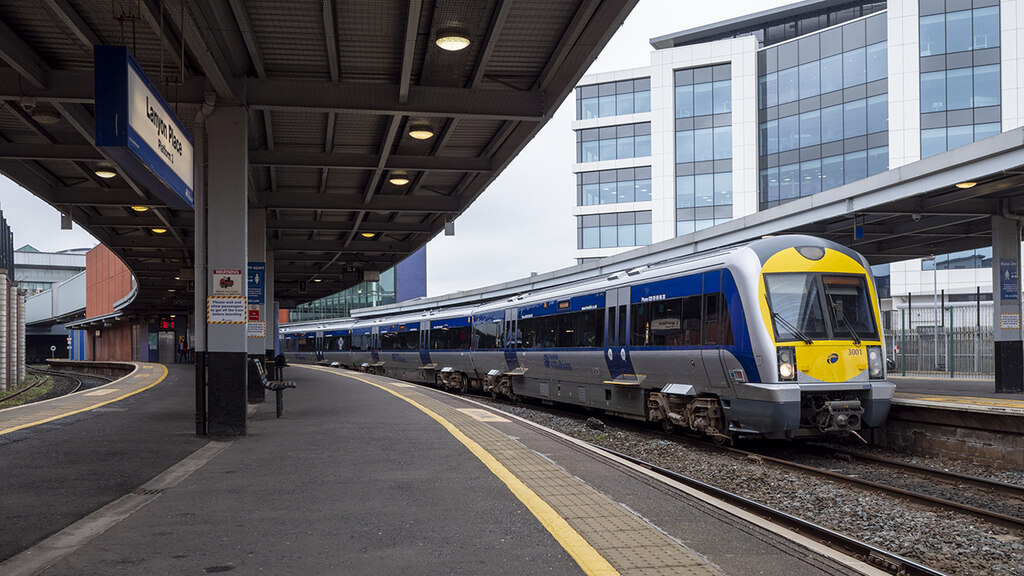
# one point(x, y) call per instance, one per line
point(362, 475)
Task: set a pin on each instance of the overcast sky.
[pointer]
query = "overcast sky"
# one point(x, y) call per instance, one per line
point(523, 222)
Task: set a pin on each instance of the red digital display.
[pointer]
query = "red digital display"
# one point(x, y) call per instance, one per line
point(167, 324)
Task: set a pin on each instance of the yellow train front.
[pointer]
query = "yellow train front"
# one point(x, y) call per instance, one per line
point(823, 338)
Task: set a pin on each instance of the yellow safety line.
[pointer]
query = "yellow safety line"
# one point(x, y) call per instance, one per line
point(589, 559)
point(93, 407)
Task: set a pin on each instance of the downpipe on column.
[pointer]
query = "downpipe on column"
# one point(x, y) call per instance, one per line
point(209, 99)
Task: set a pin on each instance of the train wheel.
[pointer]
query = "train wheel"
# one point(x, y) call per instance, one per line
point(464, 385)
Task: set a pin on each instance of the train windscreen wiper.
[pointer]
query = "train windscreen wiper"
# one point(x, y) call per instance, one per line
point(793, 329)
point(837, 311)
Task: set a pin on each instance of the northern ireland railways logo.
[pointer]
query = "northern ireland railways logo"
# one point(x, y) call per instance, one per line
point(833, 358)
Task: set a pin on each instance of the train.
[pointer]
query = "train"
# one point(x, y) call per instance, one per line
point(776, 338)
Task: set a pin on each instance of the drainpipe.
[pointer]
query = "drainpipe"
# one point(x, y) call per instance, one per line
point(199, 319)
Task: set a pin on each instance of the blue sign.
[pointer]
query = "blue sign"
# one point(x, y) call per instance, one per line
point(1007, 279)
point(257, 282)
point(138, 131)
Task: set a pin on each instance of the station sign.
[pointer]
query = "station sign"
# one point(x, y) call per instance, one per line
point(257, 282)
point(136, 129)
point(227, 282)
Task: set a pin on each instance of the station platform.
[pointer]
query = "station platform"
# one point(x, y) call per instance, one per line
point(362, 475)
point(956, 394)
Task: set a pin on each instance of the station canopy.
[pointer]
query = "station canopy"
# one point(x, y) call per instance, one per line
point(337, 92)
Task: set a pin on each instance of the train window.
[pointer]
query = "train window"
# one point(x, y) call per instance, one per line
point(658, 323)
point(691, 321)
point(850, 307)
point(717, 323)
point(388, 341)
point(795, 303)
point(622, 331)
point(565, 335)
point(307, 345)
point(590, 329)
point(451, 338)
point(528, 330)
point(487, 335)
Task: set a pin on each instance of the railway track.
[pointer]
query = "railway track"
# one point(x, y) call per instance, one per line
point(931, 486)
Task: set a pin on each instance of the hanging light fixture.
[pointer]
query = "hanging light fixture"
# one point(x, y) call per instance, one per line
point(105, 170)
point(966, 185)
point(399, 178)
point(367, 234)
point(158, 230)
point(140, 208)
point(452, 39)
point(421, 130)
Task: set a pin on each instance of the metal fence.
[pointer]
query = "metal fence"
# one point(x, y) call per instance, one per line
point(955, 340)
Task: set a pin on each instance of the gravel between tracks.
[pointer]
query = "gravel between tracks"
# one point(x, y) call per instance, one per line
point(950, 542)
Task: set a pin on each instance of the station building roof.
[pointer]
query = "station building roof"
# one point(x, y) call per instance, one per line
point(332, 89)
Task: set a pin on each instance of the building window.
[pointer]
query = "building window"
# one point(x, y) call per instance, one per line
point(613, 98)
point(964, 260)
point(613, 186)
point(960, 85)
point(615, 230)
point(824, 110)
point(613, 142)
point(703, 106)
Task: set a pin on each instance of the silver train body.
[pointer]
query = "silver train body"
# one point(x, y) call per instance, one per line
point(775, 338)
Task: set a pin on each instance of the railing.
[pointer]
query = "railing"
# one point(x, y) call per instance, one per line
point(955, 341)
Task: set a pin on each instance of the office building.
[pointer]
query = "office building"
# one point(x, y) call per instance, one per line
point(751, 113)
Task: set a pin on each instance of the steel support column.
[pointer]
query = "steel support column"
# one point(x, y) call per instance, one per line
point(1009, 348)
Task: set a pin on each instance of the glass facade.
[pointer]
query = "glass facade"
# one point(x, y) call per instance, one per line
point(617, 230)
point(964, 260)
point(613, 142)
point(703, 130)
point(613, 98)
point(341, 304)
point(613, 186)
point(770, 32)
point(960, 87)
point(823, 110)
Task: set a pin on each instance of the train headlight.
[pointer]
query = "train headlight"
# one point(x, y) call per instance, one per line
point(787, 363)
point(875, 363)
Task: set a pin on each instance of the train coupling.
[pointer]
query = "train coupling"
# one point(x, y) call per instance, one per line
point(840, 415)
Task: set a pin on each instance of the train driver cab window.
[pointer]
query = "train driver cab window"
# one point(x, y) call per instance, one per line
point(850, 307)
point(795, 304)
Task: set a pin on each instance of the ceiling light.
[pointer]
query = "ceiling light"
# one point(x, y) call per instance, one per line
point(158, 230)
point(105, 170)
point(399, 178)
point(452, 39)
point(140, 208)
point(46, 116)
point(317, 280)
point(421, 130)
point(173, 315)
point(966, 185)
point(367, 234)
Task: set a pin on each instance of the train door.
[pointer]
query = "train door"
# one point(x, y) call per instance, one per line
point(319, 345)
point(424, 342)
point(616, 345)
point(714, 329)
point(512, 339)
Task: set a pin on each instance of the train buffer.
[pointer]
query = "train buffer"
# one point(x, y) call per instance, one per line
point(278, 386)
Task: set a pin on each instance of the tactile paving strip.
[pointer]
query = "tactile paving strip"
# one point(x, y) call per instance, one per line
point(632, 545)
